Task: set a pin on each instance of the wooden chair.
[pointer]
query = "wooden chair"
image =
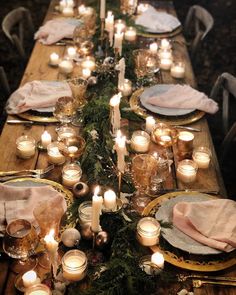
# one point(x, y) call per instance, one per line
point(225, 84)
point(198, 24)
point(18, 20)
point(4, 82)
point(227, 144)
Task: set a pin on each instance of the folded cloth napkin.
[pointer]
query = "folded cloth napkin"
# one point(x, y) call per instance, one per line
point(184, 97)
point(157, 21)
point(37, 94)
point(54, 30)
point(212, 223)
point(19, 202)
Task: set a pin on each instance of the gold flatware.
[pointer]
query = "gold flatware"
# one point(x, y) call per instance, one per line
point(183, 278)
point(15, 121)
point(199, 283)
point(37, 172)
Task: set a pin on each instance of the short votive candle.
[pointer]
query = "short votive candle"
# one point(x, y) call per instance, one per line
point(65, 67)
point(30, 278)
point(187, 171)
point(148, 231)
point(165, 44)
point(68, 11)
point(165, 54)
point(71, 174)
point(130, 34)
point(65, 133)
point(140, 141)
point(126, 88)
point(71, 52)
point(153, 47)
point(54, 154)
point(39, 289)
point(54, 59)
point(85, 213)
point(202, 156)
point(25, 147)
point(185, 141)
point(177, 70)
point(158, 260)
point(86, 73)
point(165, 63)
point(88, 63)
point(150, 124)
point(74, 265)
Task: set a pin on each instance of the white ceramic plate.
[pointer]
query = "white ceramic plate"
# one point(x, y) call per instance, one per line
point(159, 89)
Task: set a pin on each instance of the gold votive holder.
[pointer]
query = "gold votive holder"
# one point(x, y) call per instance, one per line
point(71, 174)
point(164, 135)
point(140, 141)
point(25, 147)
point(202, 156)
point(152, 264)
point(187, 171)
point(177, 70)
point(185, 144)
point(130, 34)
point(54, 155)
point(148, 231)
point(74, 265)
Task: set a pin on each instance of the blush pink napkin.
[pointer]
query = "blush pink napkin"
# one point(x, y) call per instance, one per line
point(184, 97)
point(212, 223)
point(37, 94)
point(19, 202)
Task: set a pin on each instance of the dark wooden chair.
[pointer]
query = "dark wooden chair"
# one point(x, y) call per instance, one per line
point(4, 82)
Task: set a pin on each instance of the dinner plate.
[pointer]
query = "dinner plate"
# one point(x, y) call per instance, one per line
point(175, 236)
point(155, 91)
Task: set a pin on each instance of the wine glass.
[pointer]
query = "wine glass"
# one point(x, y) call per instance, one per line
point(19, 242)
point(64, 109)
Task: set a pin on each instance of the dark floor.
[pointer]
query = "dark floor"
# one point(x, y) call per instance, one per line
point(217, 56)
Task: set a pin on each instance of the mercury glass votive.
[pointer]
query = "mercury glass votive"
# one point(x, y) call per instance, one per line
point(71, 174)
point(25, 147)
point(148, 231)
point(85, 213)
point(202, 156)
point(74, 265)
point(140, 141)
point(39, 289)
point(185, 141)
point(187, 171)
point(54, 154)
point(164, 135)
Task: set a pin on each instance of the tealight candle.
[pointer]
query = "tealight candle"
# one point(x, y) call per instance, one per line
point(148, 231)
point(66, 67)
point(150, 124)
point(119, 26)
point(70, 3)
point(187, 171)
point(96, 211)
point(71, 174)
point(85, 213)
point(81, 9)
point(68, 11)
point(130, 34)
point(126, 87)
point(25, 147)
point(142, 7)
point(46, 139)
point(185, 141)
point(39, 289)
point(71, 52)
point(177, 70)
point(74, 265)
point(153, 47)
point(140, 141)
point(54, 59)
point(65, 133)
point(202, 156)
point(54, 155)
point(158, 260)
point(165, 63)
point(165, 44)
point(88, 63)
point(62, 5)
point(30, 278)
point(110, 199)
point(165, 54)
point(86, 73)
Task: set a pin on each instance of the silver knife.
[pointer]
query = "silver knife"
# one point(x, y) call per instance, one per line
point(15, 121)
point(188, 128)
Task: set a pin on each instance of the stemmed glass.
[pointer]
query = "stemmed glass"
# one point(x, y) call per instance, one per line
point(64, 109)
point(73, 147)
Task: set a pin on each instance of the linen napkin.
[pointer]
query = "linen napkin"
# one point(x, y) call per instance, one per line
point(184, 97)
point(212, 223)
point(157, 21)
point(19, 202)
point(37, 94)
point(54, 30)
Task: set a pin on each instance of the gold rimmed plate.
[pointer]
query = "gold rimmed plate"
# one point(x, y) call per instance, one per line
point(170, 34)
point(136, 106)
point(38, 117)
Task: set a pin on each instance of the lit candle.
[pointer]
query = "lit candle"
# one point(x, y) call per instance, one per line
point(25, 147)
point(165, 44)
point(202, 156)
point(74, 265)
point(158, 259)
point(38, 289)
point(85, 213)
point(110, 199)
point(130, 34)
point(52, 247)
point(71, 174)
point(153, 47)
point(148, 231)
point(150, 124)
point(118, 42)
point(165, 54)
point(62, 5)
point(86, 73)
point(85, 11)
point(88, 63)
point(68, 11)
point(178, 70)
point(65, 67)
point(115, 112)
point(30, 278)
point(140, 141)
point(187, 171)
point(126, 88)
point(165, 63)
point(71, 52)
point(142, 7)
point(109, 21)
point(54, 59)
point(65, 132)
point(185, 141)
point(81, 9)
point(120, 148)
point(46, 139)
point(70, 3)
point(54, 155)
point(121, 76)
point(102, 9)
point(119, 26)
point(96, 211)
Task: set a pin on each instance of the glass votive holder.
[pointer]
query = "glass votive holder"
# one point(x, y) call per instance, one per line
point(71, 174)
point(65, 132)
point(126, 88)
point(185, 141)
point(85, 213)
point(165, 44)
point(187, 171)
point(165, 63)
point(54, 154)
point(38, 289)
point(74, 265)
point(202, 156)
point(66, 66)
point(165, 53)
point(148, 231)
point(25, 147)
point(164, 135)
point(119, 26)
point(130, 34)
point(177, 70)
point(140, 141)
point(88, 63)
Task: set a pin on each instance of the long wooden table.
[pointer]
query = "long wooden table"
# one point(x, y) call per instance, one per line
point(38, 69)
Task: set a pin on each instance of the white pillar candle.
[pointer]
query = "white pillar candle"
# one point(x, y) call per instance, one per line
point(54, 59)
point(25, 147)
point(110, 200)
point(165, 44)
point(148, 231)
point(88, 63)
point(30, 278)
point(153, 47)
point(46, 139)
point(165, 54)
point(109, 21)
point(102, 9)
point(120, 148)
point(86, 73)
point(140, 143)
point(52, 247)
point(165, 63)
point(74, 265)
point(118, 42)
point(68, 11)
point(66, 67)
point(121, 76)
point(187, 171)
point(71, 174)
point(130, 34)
point(158, 259)
point(150, 124)
point(120, 26)
point(126, 88)
point(178, 70)
point(202, 156)
point(71, 52)
point(54, 155)
point(115, 112)
point(96, 211)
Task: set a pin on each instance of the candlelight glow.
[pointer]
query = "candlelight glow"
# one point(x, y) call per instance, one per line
point(96, 191)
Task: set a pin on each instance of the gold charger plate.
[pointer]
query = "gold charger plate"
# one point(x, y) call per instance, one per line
point(179, 261)
point(172, 120)
point(170, 34)
point(37, 118)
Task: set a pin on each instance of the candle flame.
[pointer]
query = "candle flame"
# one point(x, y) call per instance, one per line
point(50, 237)
point(96, 191)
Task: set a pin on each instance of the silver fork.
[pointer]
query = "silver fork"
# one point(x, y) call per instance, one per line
point(40, 173)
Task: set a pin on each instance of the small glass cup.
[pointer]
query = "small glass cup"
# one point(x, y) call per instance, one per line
point(71, 174)
point(202, 156)
point(74, 265)
point(187, 171)
point(85, 213)
point(38, 289)
point(140, 141)
point(177, 70)
point(148, 231)
point(54, 154)
point(145, 62)
point(25, 147)
point(65, 132)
